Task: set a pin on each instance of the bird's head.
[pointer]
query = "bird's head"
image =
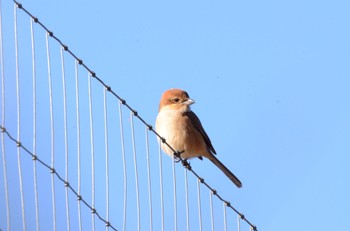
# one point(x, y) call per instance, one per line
point(176, 99)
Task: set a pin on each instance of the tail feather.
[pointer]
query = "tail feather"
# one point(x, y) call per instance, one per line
point(225, 170)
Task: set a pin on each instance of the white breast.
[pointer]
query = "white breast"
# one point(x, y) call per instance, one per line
point(167, 126)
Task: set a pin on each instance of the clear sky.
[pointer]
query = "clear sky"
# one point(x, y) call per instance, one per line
point(271, 83)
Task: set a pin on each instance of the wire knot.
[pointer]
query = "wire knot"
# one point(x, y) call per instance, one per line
point(108, 88)
point(34, 157)
point(149, 127)
point(52, 170)
point(93, 74)
point(178, 154)
point(79, 198)
point(186, 165)
point(66, 184)
point(35, 19)
point(65, 47)
point(18, 144)
point(50, 33)
point(93, 210)
point(80, 61)
point(134, 113)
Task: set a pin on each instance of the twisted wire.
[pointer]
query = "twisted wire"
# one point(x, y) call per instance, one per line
point(54, 172)
point(136, 114)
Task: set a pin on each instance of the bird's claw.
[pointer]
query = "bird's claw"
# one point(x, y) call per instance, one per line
point(177, 156)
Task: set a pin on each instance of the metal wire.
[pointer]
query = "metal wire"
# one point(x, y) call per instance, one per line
point(149, 181)
point(211, 210)
point(107, 157)
point(36, 197)
point(239, 223)
point(65, 136)
point(52, 133)
point(60, 178)
point(93, 74)
point(186, 201)
point(161, 186)
point(78, 142)
point(225, 221)
point(199, 204)
point(124, 162)
point(92, 155)
point(174, 192)
point(136, 172)
point(18, 123)
point(3, 123)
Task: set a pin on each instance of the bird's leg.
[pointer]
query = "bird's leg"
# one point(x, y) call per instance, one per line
point(177, 156)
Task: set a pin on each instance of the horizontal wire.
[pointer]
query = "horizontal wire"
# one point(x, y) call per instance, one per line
point(135, 113)
point(52, 170)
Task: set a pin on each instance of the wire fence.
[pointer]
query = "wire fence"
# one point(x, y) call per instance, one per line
point(85, 159)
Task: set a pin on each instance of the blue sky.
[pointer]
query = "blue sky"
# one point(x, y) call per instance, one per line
point(271, 85)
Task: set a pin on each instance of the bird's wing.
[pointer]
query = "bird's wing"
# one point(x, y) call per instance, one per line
point(197, 124)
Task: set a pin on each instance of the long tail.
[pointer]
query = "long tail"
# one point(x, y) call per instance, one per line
point(225, 170)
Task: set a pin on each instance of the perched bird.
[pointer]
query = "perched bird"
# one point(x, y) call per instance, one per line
point(183, 131)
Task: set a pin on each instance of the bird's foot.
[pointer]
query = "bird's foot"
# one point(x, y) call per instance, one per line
point(177, 156)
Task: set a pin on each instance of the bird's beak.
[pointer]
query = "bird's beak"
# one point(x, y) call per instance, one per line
point(189, 102)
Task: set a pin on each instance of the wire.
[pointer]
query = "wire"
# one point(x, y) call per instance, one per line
point(134, 112)
point(65, 135)
point(3, 123)
point(149, 182)
point(18, 123)
point(107, 157)
point(136, 171)
point(36, 196)
point(78, 143)
point(60, 178)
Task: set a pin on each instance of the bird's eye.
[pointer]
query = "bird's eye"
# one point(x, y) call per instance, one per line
point(176, 100)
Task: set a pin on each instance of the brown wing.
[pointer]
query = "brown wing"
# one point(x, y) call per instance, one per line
point(197, 124)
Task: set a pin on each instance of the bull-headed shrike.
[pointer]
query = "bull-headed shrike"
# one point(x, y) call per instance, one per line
point(183, 131)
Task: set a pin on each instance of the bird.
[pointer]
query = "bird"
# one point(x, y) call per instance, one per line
point(183, 131)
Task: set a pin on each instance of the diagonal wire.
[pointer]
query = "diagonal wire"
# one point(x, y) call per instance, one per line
point(60, 178)
point(135, 113)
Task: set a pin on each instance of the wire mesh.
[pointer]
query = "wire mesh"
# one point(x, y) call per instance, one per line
point(88, 165)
